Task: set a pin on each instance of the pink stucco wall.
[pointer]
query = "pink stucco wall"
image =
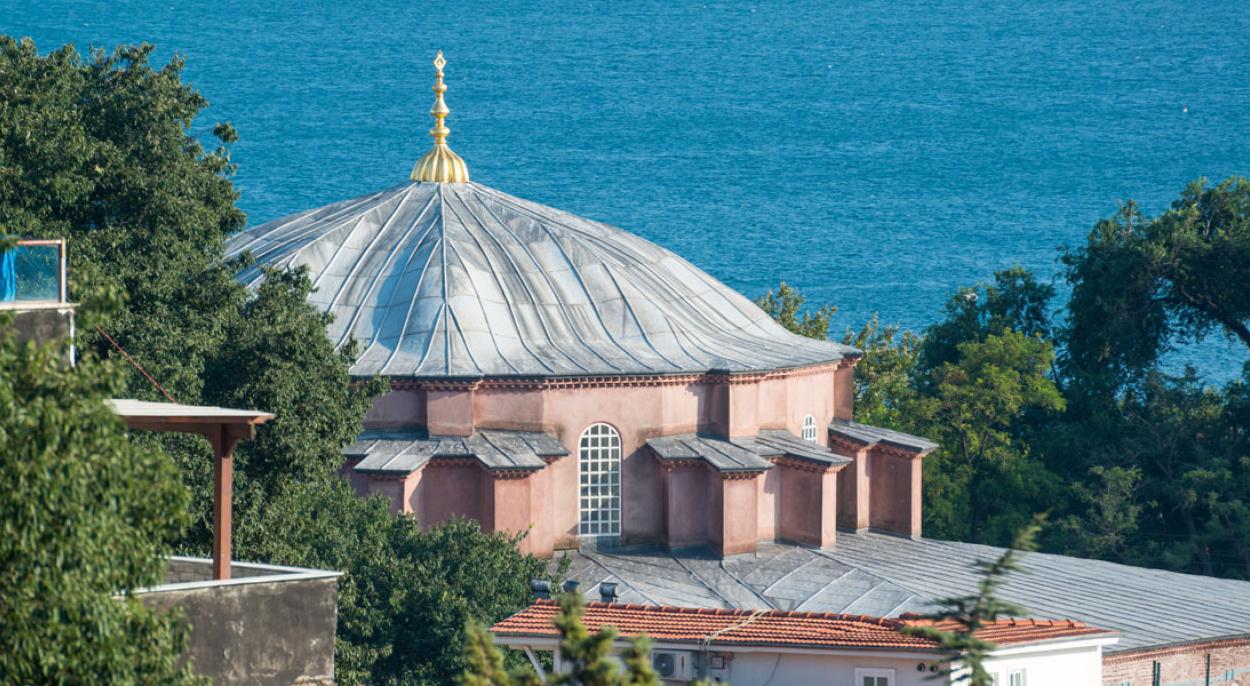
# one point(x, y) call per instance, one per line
point(853, 490)
point(680, 507)
point(808, 506)
point(895, 493)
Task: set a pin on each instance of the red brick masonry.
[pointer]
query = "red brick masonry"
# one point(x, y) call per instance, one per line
point(776, 627)
point(1184, 663)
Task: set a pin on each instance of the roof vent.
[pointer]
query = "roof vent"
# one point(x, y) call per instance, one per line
point(540, 588)
point(570, 586)
point(607, 592)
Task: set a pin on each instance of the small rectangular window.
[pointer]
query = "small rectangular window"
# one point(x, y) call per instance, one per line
point(1016, 678)
point(874, 677)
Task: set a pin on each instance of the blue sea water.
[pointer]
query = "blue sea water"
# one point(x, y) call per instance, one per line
point(875, 154)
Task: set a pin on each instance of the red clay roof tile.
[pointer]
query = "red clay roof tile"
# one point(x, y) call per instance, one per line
point(777, 627)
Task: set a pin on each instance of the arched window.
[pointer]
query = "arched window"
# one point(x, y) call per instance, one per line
point(599, 467)
point(809, 428)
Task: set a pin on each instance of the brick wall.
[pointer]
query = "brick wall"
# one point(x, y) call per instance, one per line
point(1182, 665)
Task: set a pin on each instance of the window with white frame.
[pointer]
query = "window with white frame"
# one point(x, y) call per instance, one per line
point(809, 428)
point(599, 468)
point(1015, 678)
point(874, 677)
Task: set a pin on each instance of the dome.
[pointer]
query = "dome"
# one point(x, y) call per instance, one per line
point(456, 280)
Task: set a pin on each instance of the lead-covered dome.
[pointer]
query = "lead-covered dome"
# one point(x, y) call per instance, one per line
point(438, 280)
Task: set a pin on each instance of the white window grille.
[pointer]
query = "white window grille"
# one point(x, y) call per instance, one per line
point(874, 677)
point(1015, 678)
point(599, 467)
point(809, 428)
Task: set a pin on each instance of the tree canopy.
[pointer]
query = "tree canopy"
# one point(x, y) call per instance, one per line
point(108, 150)
point(85, 515)
point(1075, 408)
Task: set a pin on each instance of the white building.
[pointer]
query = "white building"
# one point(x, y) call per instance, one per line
point(777, 648)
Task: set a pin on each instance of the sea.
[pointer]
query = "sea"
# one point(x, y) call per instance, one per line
point(875, 155)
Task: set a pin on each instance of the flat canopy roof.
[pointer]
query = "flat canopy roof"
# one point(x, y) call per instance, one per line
point(147, 411)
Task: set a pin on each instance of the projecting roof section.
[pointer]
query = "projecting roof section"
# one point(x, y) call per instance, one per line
point(867, 435)
point(742, 454)
point(888, 576)
point(460, 280)
point(400, 452)
point(174, 413)
point(778, 628)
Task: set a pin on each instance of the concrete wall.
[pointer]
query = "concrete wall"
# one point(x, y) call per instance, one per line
point(273, 628)
point(758, 669)
point(1186, 664)
point(1063, 668)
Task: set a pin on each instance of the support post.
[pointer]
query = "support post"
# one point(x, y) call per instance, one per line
point(223, 497)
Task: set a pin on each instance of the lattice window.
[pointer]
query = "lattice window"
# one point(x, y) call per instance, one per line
point(809, 428)
point(599, 467)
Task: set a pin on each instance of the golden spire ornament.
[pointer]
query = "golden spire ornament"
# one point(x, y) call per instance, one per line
point(440, 164)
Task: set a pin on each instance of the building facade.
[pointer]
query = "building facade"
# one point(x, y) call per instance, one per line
point(756, 648)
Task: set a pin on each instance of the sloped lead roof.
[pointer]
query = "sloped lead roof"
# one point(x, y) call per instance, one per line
point(887, 576)
point(461, 280)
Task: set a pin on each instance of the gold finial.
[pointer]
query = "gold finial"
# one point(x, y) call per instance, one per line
point(440, 164)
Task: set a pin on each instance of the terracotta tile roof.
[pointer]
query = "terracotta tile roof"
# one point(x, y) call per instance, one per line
point(773, 627)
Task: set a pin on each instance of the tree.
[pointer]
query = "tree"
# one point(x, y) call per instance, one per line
point(1110, 513)
point(106, 151)
point(85, 516)
point(587, 655)
point(786, 306)
point(99, 150)
point(966, 652)
point(1015, 301)
point(983, 483)
point(883, 376)
point(1142, 285)
point(406, 594)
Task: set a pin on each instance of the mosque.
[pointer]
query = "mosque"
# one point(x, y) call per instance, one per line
point(560, 376)
point(557, 376)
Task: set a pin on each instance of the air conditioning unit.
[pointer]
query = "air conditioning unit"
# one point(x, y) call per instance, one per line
point(673, 665)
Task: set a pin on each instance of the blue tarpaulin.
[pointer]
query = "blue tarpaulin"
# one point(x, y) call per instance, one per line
point(8, 276)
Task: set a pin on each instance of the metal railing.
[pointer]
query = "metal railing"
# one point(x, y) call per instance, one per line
point(33, 273)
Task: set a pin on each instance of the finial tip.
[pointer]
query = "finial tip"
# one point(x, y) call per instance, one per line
point(440, 164)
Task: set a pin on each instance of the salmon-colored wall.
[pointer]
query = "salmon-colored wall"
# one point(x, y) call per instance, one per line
point(853, 490)
point(450, 490)
point(735, 511)
point(808, 506)
point(895, 493)
point(449, 413)
point(686, 505)
point(671, 510)
point(510, 507)
point(768, 503)
point(399, 408)
point(844, 392)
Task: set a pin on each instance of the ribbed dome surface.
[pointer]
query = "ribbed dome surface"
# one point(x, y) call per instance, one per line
point(460, 280)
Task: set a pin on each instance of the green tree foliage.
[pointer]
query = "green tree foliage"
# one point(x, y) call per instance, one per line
point(407, 594)
point(99, 150)
point(1140, 285)
point(883, 376)
point(1135, 462)
point(85, 515)
point(1015, 301)
point(587, 657)
point(786, 306)
point(966, 652)
point(984, 483)
point(105, 150)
